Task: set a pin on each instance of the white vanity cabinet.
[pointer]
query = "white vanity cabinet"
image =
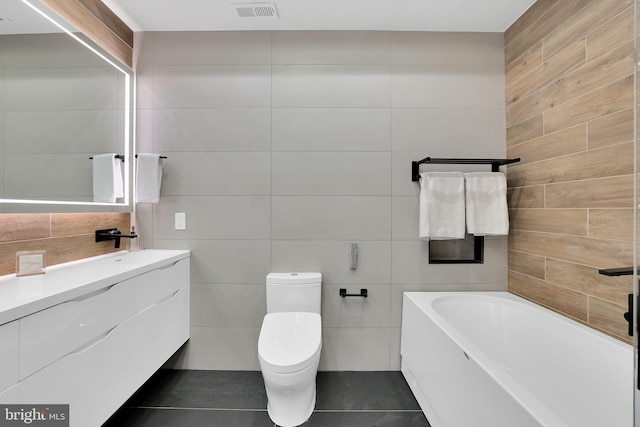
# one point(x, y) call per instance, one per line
point(95, 350)
point(9, 353)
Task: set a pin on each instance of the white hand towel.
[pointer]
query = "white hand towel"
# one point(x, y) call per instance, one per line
point(441, 205)
point(148, 178)
point(486, 198)
point(107, 178)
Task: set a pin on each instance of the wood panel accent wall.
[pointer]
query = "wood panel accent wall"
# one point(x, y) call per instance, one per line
point(65, 237)
point(99, 23)
point(569, 103)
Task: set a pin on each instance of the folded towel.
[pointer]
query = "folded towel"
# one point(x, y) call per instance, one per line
point(441, 205)
point(107, 178)
point(148, 178)
point(486, 198)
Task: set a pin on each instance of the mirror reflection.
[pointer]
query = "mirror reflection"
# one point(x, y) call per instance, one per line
point(62, 103)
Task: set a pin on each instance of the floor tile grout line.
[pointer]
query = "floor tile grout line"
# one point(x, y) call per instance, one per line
point(181, 408)
point(265, 410)
point(366, 410)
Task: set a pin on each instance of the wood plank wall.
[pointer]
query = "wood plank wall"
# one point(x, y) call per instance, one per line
point(99, 23)
point(569, 101)
point(65, 236)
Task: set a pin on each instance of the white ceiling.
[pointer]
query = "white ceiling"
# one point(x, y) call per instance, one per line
point(400, 15)
point(18, 18)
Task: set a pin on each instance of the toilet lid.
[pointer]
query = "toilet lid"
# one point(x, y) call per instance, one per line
point(289, 341)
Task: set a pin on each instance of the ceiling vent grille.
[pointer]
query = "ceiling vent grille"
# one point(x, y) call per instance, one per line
point(256, 10)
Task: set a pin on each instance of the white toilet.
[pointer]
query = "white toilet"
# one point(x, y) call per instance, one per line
point(289, 346)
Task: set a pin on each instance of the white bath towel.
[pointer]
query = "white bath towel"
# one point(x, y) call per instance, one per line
point(107, 178)
point(441, 205)
point(148, 178)
point(486, 199)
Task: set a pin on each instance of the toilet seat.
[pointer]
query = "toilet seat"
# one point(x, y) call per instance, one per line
point(289, 342)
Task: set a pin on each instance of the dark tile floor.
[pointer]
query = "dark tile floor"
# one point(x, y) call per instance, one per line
point(237, 399)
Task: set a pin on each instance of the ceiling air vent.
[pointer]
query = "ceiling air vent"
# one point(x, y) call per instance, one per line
point(256, 10)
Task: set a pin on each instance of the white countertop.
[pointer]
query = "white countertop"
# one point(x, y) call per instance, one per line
point(21, 296)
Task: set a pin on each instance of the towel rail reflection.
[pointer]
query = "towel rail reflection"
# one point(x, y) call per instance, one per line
point(121, 157)
point(162, 157)
point(495, 164)
point(117, 156)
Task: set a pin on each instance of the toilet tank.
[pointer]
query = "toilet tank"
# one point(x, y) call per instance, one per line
point(290, 292)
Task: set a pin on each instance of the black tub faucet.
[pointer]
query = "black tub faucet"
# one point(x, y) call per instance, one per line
point(113, 234)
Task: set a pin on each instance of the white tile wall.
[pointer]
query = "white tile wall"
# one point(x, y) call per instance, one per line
point(304, 173)
point(219, 129)
point(330, 47)
point(408, 265)
point(353, 312)
point(286, 147)
point(331, 258)
point(454, 128)
point(211, 347)
point(214, 217)
point(217, 173)
point(355, 349)
point(208, 48)
point(331, 86)
point(223, 261)
point(331, 129)
point(447, 48)
point(447, 86)
point(331, 217)
point(228, 305)
point(211, 86)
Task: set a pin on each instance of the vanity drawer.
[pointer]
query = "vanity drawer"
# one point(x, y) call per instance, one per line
point(157, 285)
point(94, 380)
point(165, 327)
point(49, 334)
point(9, 355)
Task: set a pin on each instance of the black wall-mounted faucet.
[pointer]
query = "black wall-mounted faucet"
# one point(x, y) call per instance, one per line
point(113, 234)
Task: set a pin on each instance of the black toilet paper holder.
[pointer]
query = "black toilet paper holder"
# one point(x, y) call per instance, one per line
point(363, 293)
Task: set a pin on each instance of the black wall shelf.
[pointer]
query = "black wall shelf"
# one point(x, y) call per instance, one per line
point(495, 164)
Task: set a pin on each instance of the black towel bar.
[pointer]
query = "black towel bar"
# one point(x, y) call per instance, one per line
point(363, 293)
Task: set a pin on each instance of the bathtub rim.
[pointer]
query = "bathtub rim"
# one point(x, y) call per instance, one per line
point(501, 295)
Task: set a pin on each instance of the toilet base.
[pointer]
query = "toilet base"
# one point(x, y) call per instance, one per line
point(291, 398)
point(291, 419)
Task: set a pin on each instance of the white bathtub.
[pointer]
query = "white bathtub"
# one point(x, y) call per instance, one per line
point(493, 359)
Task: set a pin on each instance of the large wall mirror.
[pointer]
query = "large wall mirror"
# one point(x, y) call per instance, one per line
point(64, 100)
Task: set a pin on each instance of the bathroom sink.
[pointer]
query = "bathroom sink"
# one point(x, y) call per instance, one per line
point(20, 296)
point(137, 257)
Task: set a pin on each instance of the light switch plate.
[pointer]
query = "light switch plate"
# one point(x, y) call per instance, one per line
point(181, 221)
